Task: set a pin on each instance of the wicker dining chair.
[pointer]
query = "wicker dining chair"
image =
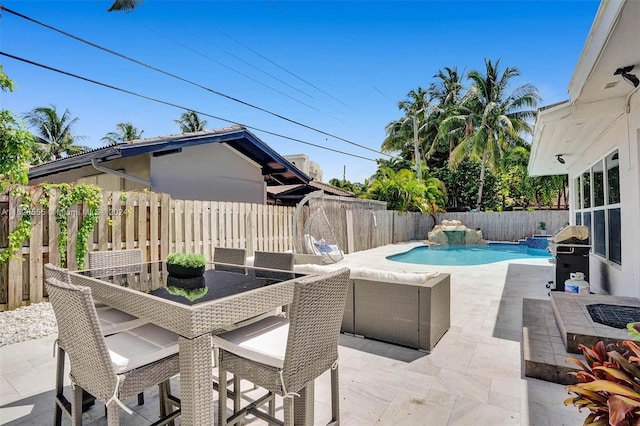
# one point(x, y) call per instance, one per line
point(115, 262)
point(282, 355)
point(112, 320)
point(234, 256)
point(110, 368)
point(273, 260)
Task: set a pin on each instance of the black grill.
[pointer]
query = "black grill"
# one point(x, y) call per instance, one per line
point(572, 255)
point(614, 315)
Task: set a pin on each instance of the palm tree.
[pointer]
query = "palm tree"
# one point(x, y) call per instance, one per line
point(500, 118)
point(126, 132)
point(53, 133)
point(124, 5)
point(416, 126)
point(448, 92)
point(190, 122)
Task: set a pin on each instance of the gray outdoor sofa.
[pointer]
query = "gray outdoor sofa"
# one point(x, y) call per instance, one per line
point(407, 309)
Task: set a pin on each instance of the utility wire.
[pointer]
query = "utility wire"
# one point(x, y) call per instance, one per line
point(2, 7)
point(149, 98)
point(275, 63)
point(204, 55)
point(230, 54)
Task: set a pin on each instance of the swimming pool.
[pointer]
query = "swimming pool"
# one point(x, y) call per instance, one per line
point(468, 255)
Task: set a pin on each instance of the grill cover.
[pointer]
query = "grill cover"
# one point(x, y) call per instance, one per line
point(569, 235)
point(572, 235)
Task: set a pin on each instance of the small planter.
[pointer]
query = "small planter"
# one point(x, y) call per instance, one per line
point(185, 265)
point(179, 271)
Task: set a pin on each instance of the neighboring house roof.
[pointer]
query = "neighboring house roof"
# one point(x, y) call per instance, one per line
point(598, 98)
point(297, 192)
point(275, 168)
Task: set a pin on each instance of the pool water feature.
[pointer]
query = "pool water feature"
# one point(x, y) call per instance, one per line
point(467, 255)
point(455, 237)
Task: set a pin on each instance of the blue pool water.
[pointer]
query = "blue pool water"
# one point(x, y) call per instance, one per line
point(468, 255)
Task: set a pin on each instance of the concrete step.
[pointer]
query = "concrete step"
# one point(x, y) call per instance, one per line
point(543, 350)
point(575, 323)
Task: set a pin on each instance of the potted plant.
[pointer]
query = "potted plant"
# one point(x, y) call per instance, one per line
point(185, 265)
point(542, 226)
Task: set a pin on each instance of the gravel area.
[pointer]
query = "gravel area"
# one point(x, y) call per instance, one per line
point(28, 322)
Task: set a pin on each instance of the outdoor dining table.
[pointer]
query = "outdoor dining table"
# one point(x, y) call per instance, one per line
point(220, 298)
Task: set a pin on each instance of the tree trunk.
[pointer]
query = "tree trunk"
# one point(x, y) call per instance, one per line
point(452, 146)
point(481, 187)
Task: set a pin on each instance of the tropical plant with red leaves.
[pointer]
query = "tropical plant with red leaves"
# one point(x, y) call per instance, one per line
point(609, 385)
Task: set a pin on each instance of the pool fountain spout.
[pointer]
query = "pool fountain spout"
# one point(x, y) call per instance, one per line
point(453, 232)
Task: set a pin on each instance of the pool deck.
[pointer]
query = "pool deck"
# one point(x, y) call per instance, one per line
point(472, 377)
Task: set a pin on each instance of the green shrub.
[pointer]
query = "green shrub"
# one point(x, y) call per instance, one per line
point(188, 260)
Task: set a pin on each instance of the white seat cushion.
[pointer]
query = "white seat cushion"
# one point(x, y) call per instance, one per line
point(116, 321)
point(140, 346)
point(264, 341)
point(391, 277)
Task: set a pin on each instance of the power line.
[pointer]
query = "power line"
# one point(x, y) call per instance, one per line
point(204, 55)
point(2, 7)
point(276, 64)
point(149, 98)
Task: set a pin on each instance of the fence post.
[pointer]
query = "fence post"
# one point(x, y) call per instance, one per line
point(36, 284)
point(251, 232)
point(349, 220)
point(14, 290)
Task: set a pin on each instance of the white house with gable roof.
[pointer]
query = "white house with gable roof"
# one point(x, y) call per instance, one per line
point(594, 137)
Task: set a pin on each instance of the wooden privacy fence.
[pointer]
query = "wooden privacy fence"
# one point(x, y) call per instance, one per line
point(511, 226)
point(364, 224)
point(155, 223)
point(158, 225)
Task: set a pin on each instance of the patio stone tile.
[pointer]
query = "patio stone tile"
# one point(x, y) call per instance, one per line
point(424, 367)
point(507, 337)
point(459, 355)
point(31, 381)
point(462, 383)
point(515, 386)
point(468, 412)
point(408, 409)
point(493, 368)
point(471, 377)
point(507, 401)
point(505, 353)
point(7, 391)
point(475, 339)
point(366, 402)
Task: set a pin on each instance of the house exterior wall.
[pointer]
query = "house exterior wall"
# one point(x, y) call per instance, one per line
point(208, 172)
point(137, 166)
point(310, 168)
point(605, 276)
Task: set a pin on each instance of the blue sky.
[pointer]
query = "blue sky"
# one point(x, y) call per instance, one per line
point(341, 66)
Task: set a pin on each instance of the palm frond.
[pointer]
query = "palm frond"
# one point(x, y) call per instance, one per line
point(124, 5)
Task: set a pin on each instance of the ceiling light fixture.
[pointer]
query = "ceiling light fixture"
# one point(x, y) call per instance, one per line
point(560, 159)
point(632, 79)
